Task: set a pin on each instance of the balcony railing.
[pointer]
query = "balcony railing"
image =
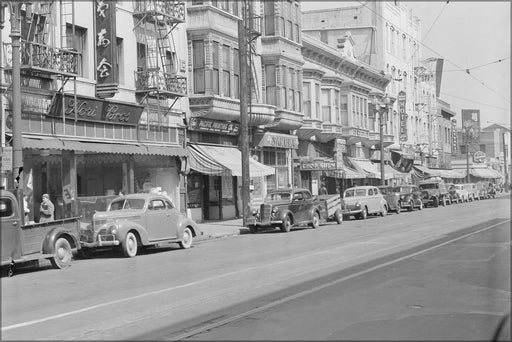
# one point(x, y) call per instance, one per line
point(173, 11)
point(48, 59)
point(156, 82)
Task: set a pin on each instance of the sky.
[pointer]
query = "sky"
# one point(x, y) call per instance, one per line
point(466, 34)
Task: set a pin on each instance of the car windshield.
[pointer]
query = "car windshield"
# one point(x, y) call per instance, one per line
point(405, 189)
point(355, 193)
point(428, 186)
point(278, 196)
point(122, 204)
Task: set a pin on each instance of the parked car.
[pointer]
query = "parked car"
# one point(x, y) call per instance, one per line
point(433, 192)
point(54, 240)
point(462, 192)
point(362, 201)
point(286, 208)
point(410, 197)
point(452, 193)
point(472, 191)
point(392, 197)
point(482, 188)
point(138, 220)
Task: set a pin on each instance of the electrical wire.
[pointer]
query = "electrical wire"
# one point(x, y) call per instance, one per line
point(469, 100)
point(438, 54)
point(480, 66)
point(435, 20)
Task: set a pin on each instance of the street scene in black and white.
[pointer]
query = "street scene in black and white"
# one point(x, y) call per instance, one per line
point(255, 170)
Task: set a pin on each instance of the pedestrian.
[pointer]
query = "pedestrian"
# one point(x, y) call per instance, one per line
point(46, 209)
point(323, 189)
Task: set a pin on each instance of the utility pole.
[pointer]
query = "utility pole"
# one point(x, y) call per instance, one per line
point(505, 161)
point(467, 159)
point(244, 100)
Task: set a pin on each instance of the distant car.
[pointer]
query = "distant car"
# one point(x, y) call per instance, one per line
point(286, 208)
point(462, 192)
point(391, 197)
point(452, 193)
point(137, 220)
point(433, 192)
point(483, 188)
point(362, 201)
point(472, 191)
point(410, 196)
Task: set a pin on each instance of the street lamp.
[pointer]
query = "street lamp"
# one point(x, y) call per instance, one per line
point(382, 108)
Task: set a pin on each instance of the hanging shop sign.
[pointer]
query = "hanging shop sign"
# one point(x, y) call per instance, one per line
point(455, 144)
point(213, 126)
point(471, 125)
point(479, 157)
point(105, 48)
point(315, 165)
point(403, 115)
point(269, 139)
point(93, 109)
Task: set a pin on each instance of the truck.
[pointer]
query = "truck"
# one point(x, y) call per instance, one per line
point(56, 240)
point(434, 192)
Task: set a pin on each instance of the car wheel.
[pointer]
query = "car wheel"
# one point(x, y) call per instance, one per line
point(62, 255)
point(384, 211)
point(397, 209)
point(253, 229)
point(286, 225)
point(315, 220)
point(339, 216)
point(129, 245)
point(411, 206)
point(186, 242)
point(364, 214)
point(436, 202)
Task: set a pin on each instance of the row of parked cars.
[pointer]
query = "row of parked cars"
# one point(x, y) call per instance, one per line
point(287, 208)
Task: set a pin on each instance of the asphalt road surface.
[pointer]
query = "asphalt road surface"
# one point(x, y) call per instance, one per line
point(439, 273)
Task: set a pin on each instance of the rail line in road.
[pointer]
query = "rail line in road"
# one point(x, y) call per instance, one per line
point(177, 336)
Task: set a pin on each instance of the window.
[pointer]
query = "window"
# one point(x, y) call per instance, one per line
point(483, 148)
point(269, 18)
point(326, 105)
point(171, 63)
point(370, 192)
point(337, 112)
point(236, 73)
point(317, 100)
point(234, 8)
point(77, 41)
point(156, 205)
point(120, 61)
point(141, 57)
point(169, 205)
point(306, 104)
point(270, 79)
point(198, 66)
point(226, 74)
point(215, 71)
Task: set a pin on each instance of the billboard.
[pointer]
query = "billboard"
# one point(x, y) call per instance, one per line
point(471, 125)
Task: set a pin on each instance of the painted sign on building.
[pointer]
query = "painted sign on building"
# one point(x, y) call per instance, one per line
point(213, 126)
point(471, 125)
point(403, 115)
point(270, 139)
point(455, 144)
point(316, 165)
point(105, 48)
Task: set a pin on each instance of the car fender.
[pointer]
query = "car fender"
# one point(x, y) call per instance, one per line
point(125, 226)
point(283, 214)
point(53, 235)
point(186, 222)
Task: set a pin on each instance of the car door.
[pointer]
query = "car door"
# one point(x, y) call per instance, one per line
point(173, 217)
point(378, 199)
point(295, 206)
point(371, 200)
point(10, 233)
point(415, 193)
point(158, 220)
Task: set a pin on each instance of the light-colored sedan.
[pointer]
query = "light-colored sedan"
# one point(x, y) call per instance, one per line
point(362, 201)
point(137, 220)
point(462, 192)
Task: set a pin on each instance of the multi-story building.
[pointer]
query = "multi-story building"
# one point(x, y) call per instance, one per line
point(386, 36)
point(443, 137)
point(97, 118)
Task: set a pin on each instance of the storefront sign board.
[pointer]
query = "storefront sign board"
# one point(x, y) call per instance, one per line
point(317, 165)
point(269, 139)
point(214, 126)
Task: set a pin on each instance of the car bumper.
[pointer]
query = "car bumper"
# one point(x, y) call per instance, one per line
point(101, 241)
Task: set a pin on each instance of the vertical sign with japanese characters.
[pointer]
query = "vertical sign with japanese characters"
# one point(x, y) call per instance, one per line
point(105, 48)
point(403, 116)
point(455, 143)
point(471, 125)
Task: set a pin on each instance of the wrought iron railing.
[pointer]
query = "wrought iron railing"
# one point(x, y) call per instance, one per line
point(174, 10)
point(50, 59)
point(157, 81)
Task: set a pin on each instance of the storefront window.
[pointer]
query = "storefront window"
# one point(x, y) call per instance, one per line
point(228, 197)
point(194, 190)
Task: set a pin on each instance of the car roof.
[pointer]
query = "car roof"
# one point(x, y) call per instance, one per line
point(144, 196)
point(362, 187)
point(288, 190)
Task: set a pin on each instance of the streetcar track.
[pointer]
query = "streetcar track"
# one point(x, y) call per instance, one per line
point(277, 302)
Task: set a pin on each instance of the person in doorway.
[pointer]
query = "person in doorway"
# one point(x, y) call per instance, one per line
point(46, 209)
point(323, 189)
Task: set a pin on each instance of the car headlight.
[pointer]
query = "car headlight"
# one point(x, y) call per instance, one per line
point(358, 204)
point(112, 229)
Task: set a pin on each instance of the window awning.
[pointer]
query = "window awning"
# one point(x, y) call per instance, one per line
point(450, 174)
point(427, 171)
point(372, 170)
point(396, 174)
point(220, 160)
point(484, 173)
point(100, 147)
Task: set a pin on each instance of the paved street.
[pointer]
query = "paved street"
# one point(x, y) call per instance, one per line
point(363, 276)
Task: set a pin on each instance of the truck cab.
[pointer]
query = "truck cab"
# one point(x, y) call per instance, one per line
point(57, 240)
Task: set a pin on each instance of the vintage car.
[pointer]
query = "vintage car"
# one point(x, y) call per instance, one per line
point(452, 193)
point(286, 208)
point(433, 192)
point(483, 190)
point(391, 197)
point(136, 220)
point(362, 201)
point(410, 196)
point(472, 191)
point(462, 192)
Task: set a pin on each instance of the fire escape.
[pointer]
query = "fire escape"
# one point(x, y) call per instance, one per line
point(157, 77)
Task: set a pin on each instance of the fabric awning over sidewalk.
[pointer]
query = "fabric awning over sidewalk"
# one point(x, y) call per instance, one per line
point(372, 170)
point(484, 173)
point(220, 160)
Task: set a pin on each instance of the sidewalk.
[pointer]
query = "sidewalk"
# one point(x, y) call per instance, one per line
point(218, 229)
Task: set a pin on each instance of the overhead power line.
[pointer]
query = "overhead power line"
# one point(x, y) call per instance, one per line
point(479, 66)
point(431, 26)
point(438, 54)
point(469, 100)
